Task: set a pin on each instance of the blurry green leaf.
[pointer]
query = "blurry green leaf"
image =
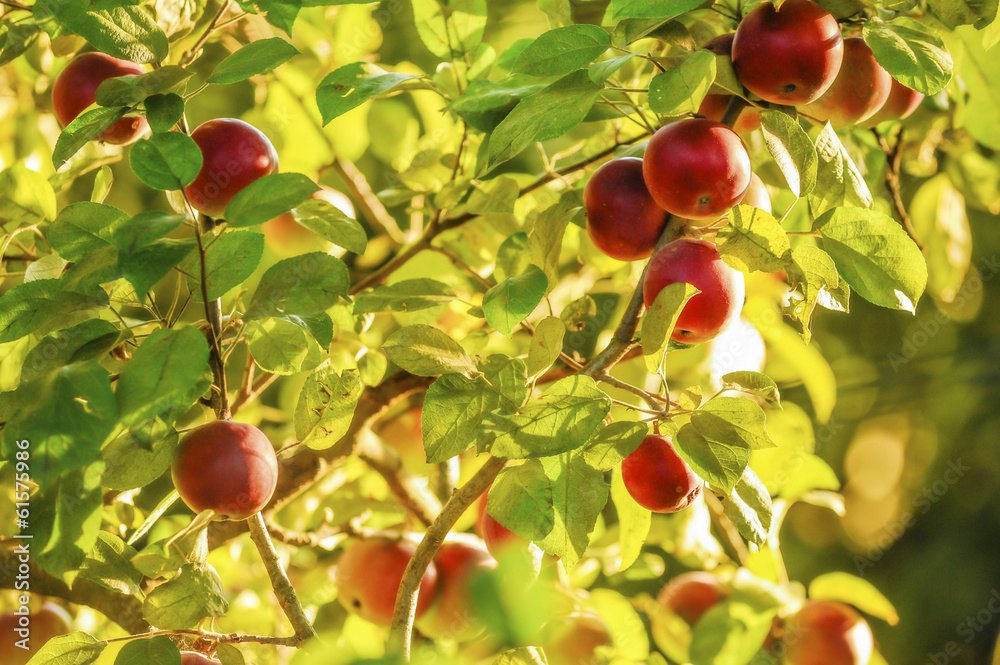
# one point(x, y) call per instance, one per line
point(65, 515)
point(164, 112)
point(681, 89)
point(452, 414)
point(729, 633)
point(851, 589)
point(33, 305)
point(82, 228)
point(791, 149)
point(25, 196)
point(579, 493)
point(521, 500)
point(126, 32)
point(85, 128)
point(602, 71)
point(653, 9)
point(512, 300)
point(302, 285)
point(165, 367)
point(410, 295)
point(157, 650)
point(258, 57)
point(103, 181)
point(329, 222)
point(326, 406)
point(912, 54)
point(563, 50)
point(426, 351)
point(838, 181)
point(283, 345)
point(267, 197)
point(351, 86)
point(659, 321)
point(492, 196)
point(753, 383)
point(15, 40)
point(77, 648)
point(546, 344)
point(753, 241)
point(954, 13)
point(110, 565)
point(939, 217)
point(132, 90)
point(196, 593)
point(84, 341)
point(633, 521)
point(229, 655)
point(146, 266)
point(748, 507)
point(562, 418)
point(450, 28)
point(229, 261)
point(166, 161)
point(875, 256)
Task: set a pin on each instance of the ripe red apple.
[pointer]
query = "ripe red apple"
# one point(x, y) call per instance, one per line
point(623, 220)
point(714, 107)
point(289, 238)
point(227, 467)
point(690, 595)
point(827, 633)
point(49, 621)
point(756, 196)
point(789, 55)
point(74, 89)
point(453, 615)
point(860, 89)
point(369, 574)
point(697, 262)
point(235, 154)
point(497, 537)
point(657, 478)
point(192, 658)
point(902, 101)
point(696, 168)
point(572, 640)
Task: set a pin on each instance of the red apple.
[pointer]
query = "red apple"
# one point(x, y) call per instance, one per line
point(860, 89)
point(623, 220)
point(696, 168)
point(902, 101)
point(827, 633)
point(714, 107)
point(756, 196)
point(369, 574)
point(235, 154)
point(227, 467)
point(453, 615)
point(690, 595)
point(573, 639)
point(657, 478)
point(74, 89)
point(49, 621)
point(192, 658)
point(697, 262)
point(789, 55)
point(289, 238)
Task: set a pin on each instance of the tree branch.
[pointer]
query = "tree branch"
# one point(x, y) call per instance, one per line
point(386, 461)
point(369, 203)
point(894, 158)
point(283, 589)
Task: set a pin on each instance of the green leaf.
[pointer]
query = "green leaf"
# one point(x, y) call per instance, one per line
point(109, 564)
point(563, 50)
point(875, 256)
point(560, 419)
point(166, 161)
point(753, 383)
point(147, 265)
point(283, 345)
point(733, 419)
point(15, 40)
point(579, 493)
point(730, 633)
point(77, 648)
point(792, 150)
point(128, 32)
point(912, 54)
point(267, 197)
point(133, 90)
point(633, 522)
point(753, 241)
point(512, 300)
point(838, 181)
point(229, 261)
point(426, 351)
point(351, 86)
point(164, 112)
point(509, 378)
point(85, 128)
point(302, 285)
point(493, 196)
point(83, 228)
point(144, 451)
point(196, 593)
point(521, 500)
point(545, 115)
point(547, 234)
point(157, 650)
point(450, 28)
point(329, 222)
point(681, 89)
point(229, 655)
point(861, 593)
point(258, 57)
point(602, 71)
point(613, 443)
point(452, 414)
point(721, 463)
point(546, 344)
point(33, 305)
point(162, 371)
point(410, 295)
point(659, 321)
point(815, 274)
point(143, 230)
point(65, 516)
point(84, 341)
point(940, 221)
point(748, 507)
point(326, 406)
point(654, 9)
point(25, 196)
point(954, 13)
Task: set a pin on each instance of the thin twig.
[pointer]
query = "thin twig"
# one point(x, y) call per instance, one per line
point(190, 55)
point(894, 158)
point(283, 589)
point(369, 203)
point(412, 494)
point(218, 638)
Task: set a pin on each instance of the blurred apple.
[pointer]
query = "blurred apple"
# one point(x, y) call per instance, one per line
point(573, 639)
point(452, 616)
point(289, 238)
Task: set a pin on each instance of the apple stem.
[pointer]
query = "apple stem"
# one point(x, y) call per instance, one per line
point(283, 589)
point(406, 600)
